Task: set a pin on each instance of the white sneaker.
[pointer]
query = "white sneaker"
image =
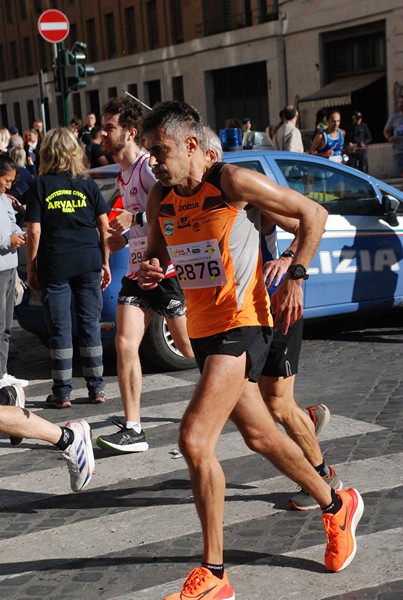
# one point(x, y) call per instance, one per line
point(11, 380)
point(17, 398)
point(80, 455)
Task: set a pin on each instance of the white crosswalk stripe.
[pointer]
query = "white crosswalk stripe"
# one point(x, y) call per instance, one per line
point(288, 575)
point(287, 583)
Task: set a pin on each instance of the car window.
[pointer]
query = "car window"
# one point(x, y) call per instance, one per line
point(253, 165)
point(108, 189)
point(339, 192)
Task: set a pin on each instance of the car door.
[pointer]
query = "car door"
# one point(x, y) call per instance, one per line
point(357, 263)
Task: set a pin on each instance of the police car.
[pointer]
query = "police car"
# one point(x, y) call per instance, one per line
point(357, 266)
point(359, 261)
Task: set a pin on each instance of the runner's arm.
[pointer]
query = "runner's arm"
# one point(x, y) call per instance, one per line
point(317, 143)
point(249, 187)
point(156, 258)
point(277, 202)
point(33, 238)
point(103, 226)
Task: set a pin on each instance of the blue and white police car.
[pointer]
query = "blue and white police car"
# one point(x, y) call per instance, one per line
point(357, 267)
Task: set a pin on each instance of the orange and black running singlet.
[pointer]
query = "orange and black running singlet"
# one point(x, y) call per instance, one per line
point(215, 250)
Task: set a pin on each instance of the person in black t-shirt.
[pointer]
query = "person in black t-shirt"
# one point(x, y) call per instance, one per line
point(94, 152)
point(67, 225)
point(358, 138)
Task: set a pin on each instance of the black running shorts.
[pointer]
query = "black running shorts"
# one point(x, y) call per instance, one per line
point(166, 299)
point(282, 360)
point(253, 340)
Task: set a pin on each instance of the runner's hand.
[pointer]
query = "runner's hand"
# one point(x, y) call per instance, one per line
point(287, 304)
point(116, 241)
point(123, 221)
point(150, 274)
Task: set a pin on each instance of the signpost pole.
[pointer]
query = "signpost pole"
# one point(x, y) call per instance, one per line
point(41, 83)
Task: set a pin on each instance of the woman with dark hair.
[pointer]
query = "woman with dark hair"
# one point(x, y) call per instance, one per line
point(11, 238)
point(67, 227)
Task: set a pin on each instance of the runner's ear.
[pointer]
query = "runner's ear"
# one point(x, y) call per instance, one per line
point(192, 143)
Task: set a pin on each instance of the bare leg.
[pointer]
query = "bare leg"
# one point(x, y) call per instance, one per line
point(131, 325)
point(262, 435)
point(178, 330)
point(223, 378)
point(278, 394)
point(216, 397)
point(20, 422)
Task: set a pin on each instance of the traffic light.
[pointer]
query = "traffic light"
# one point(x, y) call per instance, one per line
point(76, 70)
point(70, 71)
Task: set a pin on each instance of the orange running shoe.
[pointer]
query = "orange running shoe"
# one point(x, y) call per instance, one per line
point(201, 583)
point(340, 530)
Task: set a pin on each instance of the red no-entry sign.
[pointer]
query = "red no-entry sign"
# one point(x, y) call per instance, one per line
point(53, 26)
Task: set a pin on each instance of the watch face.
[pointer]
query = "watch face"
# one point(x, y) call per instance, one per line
point(299, 271)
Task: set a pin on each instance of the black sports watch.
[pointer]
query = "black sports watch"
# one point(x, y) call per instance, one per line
point(138, 219)
point(287, 254)
point(297, 272)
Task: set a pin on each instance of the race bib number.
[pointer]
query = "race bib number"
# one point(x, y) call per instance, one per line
point(198, 264)
point(137, 248)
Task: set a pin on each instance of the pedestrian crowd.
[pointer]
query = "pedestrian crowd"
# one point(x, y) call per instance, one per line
point(239, 316)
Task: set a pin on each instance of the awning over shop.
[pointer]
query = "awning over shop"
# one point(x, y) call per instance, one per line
point(338, 92)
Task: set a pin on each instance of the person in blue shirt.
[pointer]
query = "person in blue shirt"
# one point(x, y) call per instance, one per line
point(329, 142)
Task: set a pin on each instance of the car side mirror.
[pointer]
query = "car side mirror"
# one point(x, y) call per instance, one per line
point(390, 206)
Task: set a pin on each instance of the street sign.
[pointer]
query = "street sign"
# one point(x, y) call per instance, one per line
point(53, 26)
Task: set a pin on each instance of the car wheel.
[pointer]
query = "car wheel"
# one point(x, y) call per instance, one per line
point(159, 350)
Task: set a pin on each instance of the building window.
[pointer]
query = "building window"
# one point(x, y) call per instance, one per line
point(43, 47)
point(3, 115)
point(73, 33)
point(110, 35)
point(38, 7)
point(26, 47)
point(267, 10)
point(2, 65)
point(176, 21)
point(152, 22)
point(354, 50)
point(177, 88)
point(9, 11)
point(91, 40)
point(77, 105)
point(31, 112)
point(132, 89)
point(14, 59)
point(92, 103)
point(17, 115)
point(112, 92)
point(153, 92)
point(131, 43)
point(23, 9)
point(60, 111)
point(47, 119)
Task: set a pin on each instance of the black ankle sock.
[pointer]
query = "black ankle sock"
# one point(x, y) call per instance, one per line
point(335, 504)
point(217, 570)
point(66, 438)
point(323, 469)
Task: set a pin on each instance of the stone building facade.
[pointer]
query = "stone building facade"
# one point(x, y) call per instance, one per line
point(231, 58)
